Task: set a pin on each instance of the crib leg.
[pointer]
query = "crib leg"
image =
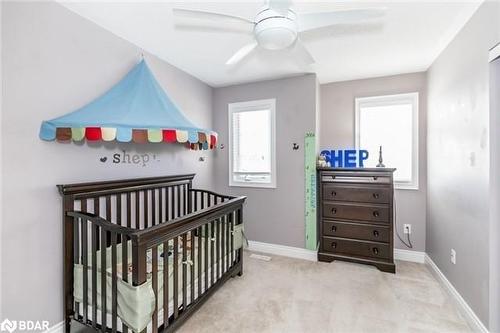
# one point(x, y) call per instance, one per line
point(240, 263)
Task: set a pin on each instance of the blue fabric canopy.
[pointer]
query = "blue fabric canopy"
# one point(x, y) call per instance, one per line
point(135, 109)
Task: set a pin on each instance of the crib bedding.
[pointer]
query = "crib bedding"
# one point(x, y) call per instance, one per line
point(136, 304)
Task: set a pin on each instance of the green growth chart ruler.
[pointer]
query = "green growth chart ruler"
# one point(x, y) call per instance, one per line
point(310, 190)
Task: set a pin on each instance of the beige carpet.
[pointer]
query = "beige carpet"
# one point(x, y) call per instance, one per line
point(291, 295)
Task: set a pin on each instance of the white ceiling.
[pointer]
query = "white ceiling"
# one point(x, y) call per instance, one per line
point(407, 39)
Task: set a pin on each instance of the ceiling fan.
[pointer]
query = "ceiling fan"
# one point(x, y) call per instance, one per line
point(278, 27)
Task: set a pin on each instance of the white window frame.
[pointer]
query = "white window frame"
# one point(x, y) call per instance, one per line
point(263, 104)
point(387, 100)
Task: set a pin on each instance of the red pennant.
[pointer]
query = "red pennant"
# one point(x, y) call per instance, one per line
point(169, 136)
point(93, 133)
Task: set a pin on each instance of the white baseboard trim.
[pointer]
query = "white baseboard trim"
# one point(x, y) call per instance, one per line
point(299, 253)
point(57, 328)
point(282, 250)
point(406, 255)
point(468, 313)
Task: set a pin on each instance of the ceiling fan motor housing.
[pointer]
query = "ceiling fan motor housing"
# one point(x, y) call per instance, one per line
point(275, 31)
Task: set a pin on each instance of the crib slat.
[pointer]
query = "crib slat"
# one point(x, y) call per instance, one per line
point(165, 284)
point(146, 208)
point(119, 209)
point(239, 218)
point(160, 201)
point(114, 284)
point(94, 229)
point(184, 270)
point(200, 238)
point(202, 195)
point(129, 210)
point(154, 272)
point(137, 210)
point(185, 196)
point(83, 207)
point(206, 240)
point(167, 204)
point(108, 208)
point(97, 211)
point(212, 250)
point(125, 264)
point(153, 207)
point(231, 231)
point(191, 268)
point(223, 245)
point(176, 277)
point(108, 217)
point(172, 202)
point(226, 246)
point(103, 280)
point(217, 249)
point(85, 270)
point(195, 202)
point(76, 256)
point(178, 199)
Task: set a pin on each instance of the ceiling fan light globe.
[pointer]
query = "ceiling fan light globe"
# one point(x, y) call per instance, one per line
point(276, 33)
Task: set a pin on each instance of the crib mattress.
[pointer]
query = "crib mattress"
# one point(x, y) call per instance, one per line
point(136, 304)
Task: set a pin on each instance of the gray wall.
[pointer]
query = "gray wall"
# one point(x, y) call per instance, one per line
point(53, 62)
point(272, 215)
point(458, 158)
point(337, 131)
point(1, 164)
point(495, 196)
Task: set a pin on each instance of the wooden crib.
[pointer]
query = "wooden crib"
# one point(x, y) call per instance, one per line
point(138, 225)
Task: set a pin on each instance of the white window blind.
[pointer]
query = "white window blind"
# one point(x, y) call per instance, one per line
point(251, 127)
point(390, 122)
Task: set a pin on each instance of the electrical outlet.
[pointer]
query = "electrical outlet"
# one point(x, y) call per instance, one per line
point(453, 256)
point(407, 228)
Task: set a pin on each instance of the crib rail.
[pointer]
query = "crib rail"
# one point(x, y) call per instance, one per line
point(144, 217)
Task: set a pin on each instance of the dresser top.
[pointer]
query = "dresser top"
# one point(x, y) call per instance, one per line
point(357, 169)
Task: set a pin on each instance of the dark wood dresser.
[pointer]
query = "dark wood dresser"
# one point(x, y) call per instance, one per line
point(355, 216)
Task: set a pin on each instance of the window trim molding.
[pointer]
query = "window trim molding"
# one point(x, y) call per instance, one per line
point(383, 100)
point(232, 108)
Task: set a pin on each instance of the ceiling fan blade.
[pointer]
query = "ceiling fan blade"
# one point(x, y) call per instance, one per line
point(280, 6)
point(216, 17)
point(302, 53)
point(241, 54)
point(312, 21)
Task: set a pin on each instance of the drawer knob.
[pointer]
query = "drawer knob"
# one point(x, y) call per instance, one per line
point(334, 210)
point(334, 228)
point(334, 194)
point(376, 214)
point(334, 245)
point(375, 250)
point(375, 233)
point(375, 178)
point(376, 195)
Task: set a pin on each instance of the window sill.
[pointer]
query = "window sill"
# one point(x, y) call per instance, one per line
point(254, 185)
point(406, 187)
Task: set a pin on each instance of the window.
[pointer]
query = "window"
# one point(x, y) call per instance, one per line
point(252, 138)
point(390, 122)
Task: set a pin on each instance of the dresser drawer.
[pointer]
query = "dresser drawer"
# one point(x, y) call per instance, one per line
point(349, 177)
point(373, 213)
point(375, 194)
point(358, 231)
point(355, 247)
